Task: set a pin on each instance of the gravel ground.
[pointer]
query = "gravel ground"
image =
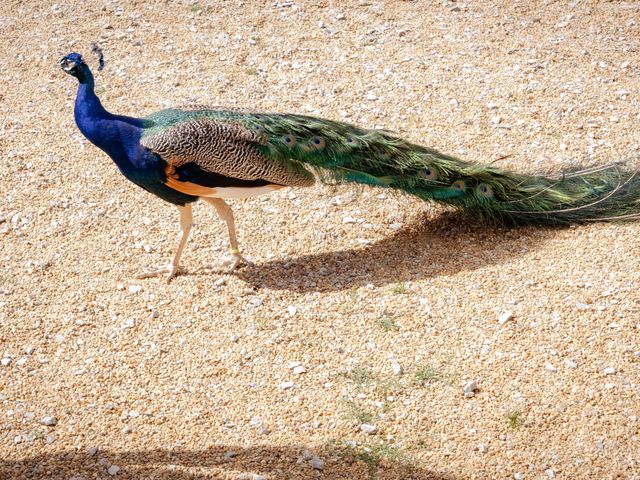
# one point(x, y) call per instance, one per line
point(375, 336)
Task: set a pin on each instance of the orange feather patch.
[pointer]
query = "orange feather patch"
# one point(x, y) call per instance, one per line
point(186, 187)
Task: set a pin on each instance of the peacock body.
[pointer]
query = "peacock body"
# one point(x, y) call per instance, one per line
point(199, 152)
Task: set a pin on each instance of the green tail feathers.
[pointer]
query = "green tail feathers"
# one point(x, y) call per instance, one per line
point(339, 152)
point(343, 153)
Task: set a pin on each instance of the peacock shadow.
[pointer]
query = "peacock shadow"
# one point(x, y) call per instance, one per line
point(271, 462)
point(425, 248)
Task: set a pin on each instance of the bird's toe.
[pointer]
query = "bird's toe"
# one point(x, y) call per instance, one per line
point(169, 271)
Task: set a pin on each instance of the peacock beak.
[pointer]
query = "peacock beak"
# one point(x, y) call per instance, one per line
point(68, 65)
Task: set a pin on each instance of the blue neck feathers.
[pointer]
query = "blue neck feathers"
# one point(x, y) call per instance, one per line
point(117, 135)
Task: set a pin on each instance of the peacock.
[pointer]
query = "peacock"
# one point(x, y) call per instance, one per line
point(198, 152)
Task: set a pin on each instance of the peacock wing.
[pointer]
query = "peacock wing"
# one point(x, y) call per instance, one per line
point(223, 147)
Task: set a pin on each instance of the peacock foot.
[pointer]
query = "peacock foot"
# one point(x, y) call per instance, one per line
point(236, 261)
point(170, 270)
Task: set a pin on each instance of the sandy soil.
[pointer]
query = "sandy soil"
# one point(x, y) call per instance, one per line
point(389, 305)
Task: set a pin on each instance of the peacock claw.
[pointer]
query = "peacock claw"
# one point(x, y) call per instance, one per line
point(169, 271)
point(236, 261)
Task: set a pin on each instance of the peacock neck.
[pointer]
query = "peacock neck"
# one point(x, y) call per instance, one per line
point(88, 108)
point(116, 135)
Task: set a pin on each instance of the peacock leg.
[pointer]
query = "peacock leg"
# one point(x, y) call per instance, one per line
point(226, 214)
point(186, 221)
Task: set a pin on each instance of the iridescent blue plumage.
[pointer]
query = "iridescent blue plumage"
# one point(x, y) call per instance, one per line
point(118, 136)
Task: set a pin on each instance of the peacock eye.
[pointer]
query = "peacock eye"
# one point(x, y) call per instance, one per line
point(317, 142)
point(459, 185)
point(428, 173)
point(351, 141)
point(485, 190)
point(289, 140)
point(259, 129)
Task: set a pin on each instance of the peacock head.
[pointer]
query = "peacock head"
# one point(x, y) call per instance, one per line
point(74, 65)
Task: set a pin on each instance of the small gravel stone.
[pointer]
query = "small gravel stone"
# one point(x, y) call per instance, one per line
point(135, 288)
point(5, 361)
point(482, 448)
point(505, 317)
point(299, 369)
point(609, 371)
point(396, 368)
point(368, 428)
point(286, 385)
point(570, 364)
point(317, 463)
point(550, 368)
point(254, 302)
point(550, 472)
point(92, 451)
point(49, 421)
point(113, 470)
point(230, 454)
point(292, 310)
point(470, 388)
point(219, 282)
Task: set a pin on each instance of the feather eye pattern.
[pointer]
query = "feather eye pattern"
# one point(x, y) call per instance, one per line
point(336, 152)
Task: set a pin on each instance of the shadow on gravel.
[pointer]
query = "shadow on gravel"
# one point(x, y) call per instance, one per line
point(428, 248)
point(249, 463)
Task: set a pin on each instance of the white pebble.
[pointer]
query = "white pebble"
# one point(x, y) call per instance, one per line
point(113, 470)
point(317, 463)
point(396, 368)
point(482, 448)
point(348, 220)
point(395, 226)
point(292, 310)
point(134, 414)
point(135, 288)
point(505, 317)
point(219, 282)
point(286, 385)
point(255, 302)
point(609, 371)
point(368, 428)
point(549, 472)
point(470, 388)
point(570, 364)
point(49, 421)
point(518, 476)
point(549, 367)
point(5, 361)
point(299, 369)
